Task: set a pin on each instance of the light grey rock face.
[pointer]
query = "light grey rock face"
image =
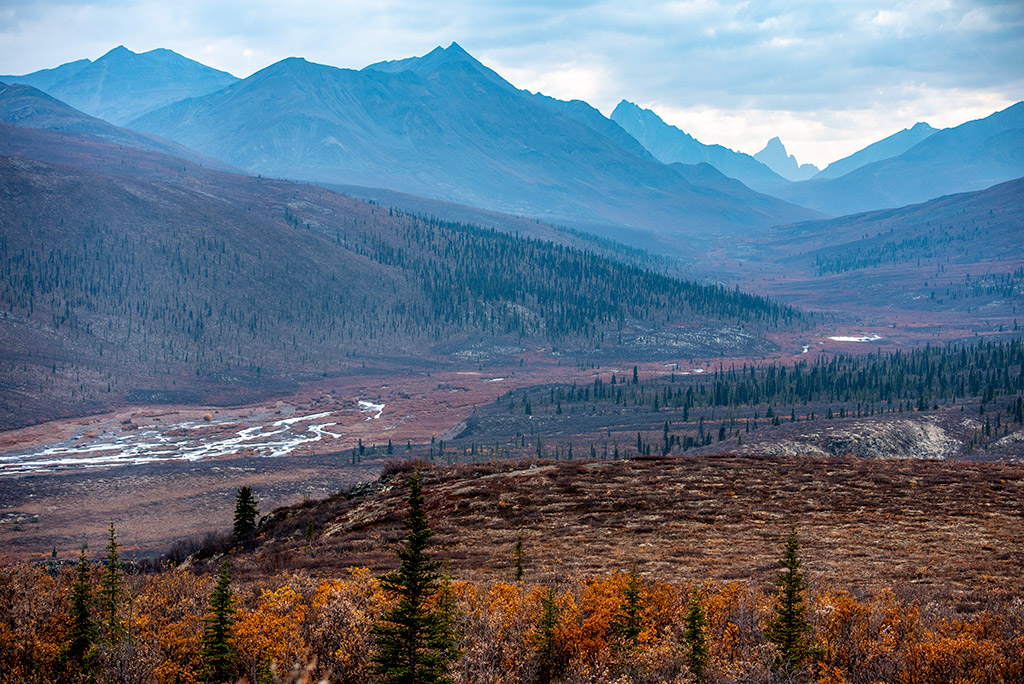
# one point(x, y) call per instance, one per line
point(775, 157)
point(445, 126)
point(122, 85)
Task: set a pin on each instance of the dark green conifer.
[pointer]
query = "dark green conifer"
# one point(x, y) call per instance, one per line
point(111, 590)
point(695, 636)
point(310, 531)
point(218, 632)
point(77, 661)
point(549, 653)
point(789, 628)
point(517, 557)
point(416, 640)
point(245, 515)
point(629, 621)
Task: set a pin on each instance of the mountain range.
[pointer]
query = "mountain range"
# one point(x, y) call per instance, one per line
point(445, 126)
point(972, 156)
point(671, 145)
point(122, 85)
point(127, 272)
point(24, 105)
point(886, 148)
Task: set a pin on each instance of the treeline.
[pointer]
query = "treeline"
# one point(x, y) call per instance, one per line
point(943, 242)
point(623, 415)
point(511, 285)
point(124, 278)
point(918, 378)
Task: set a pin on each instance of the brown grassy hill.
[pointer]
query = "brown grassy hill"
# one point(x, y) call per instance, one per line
point(932, 528)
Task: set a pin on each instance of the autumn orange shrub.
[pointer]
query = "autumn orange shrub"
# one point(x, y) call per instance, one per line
point(337, 625)
point(324, 627)
point(33, 625)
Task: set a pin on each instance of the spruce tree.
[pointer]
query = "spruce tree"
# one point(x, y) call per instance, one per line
point(416, 641)
point(629, 621)
point(78, 659)
point(549, 655)
point(111, 590)
point(695, 636)
point(218, 632)
point(245, 515)
point(789, 628)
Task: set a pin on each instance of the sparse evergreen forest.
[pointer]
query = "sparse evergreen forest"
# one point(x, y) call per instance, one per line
point(623, 415)
point(152, 286)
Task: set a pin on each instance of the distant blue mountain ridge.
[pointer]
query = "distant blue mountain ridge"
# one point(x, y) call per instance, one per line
point(122, 85)
point(445, 126)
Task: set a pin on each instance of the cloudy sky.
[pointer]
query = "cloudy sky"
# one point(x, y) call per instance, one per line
point(827, 76)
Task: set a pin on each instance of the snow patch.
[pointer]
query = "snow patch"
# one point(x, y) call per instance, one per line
point(863, 338)
point(370, 407)
point(148, 446)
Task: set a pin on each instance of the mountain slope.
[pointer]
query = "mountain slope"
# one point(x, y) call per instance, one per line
point(775, 157)
point(972, 156)
point(970, 228)
point(185, 284)
point(959, 255)
point(445, 126)
point(895, 145)
point(669, 144)
point(121, 85)
point(45, 79)
point(26, 106)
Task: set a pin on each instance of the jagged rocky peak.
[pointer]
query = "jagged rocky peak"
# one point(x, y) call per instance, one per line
point(776, 158)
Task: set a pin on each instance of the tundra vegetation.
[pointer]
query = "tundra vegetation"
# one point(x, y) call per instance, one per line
point(184, 624)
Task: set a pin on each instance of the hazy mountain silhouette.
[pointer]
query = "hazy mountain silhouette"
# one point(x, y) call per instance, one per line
point(447, 127)
point(896, 144)
point(775, 157)
point(121, 85)
point(669, 144)
point(972, 156)
point(44, 79)
point(24, 105)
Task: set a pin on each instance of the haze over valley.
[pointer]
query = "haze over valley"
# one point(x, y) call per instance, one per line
point(583, 325)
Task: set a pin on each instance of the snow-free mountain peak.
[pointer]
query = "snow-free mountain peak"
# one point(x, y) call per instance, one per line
point(775, 157)
point(896, 144)
point(121, 85)
point(669, 145)
point(452, 62)
point(446, 127)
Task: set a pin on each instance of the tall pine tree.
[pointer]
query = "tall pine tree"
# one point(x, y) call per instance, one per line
point(111, 590)
point(218, 632)
point(416, 641)
point(789, 628)
point(629, 621)
point(245, 515)
point(77, 661)
point(695, 636)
